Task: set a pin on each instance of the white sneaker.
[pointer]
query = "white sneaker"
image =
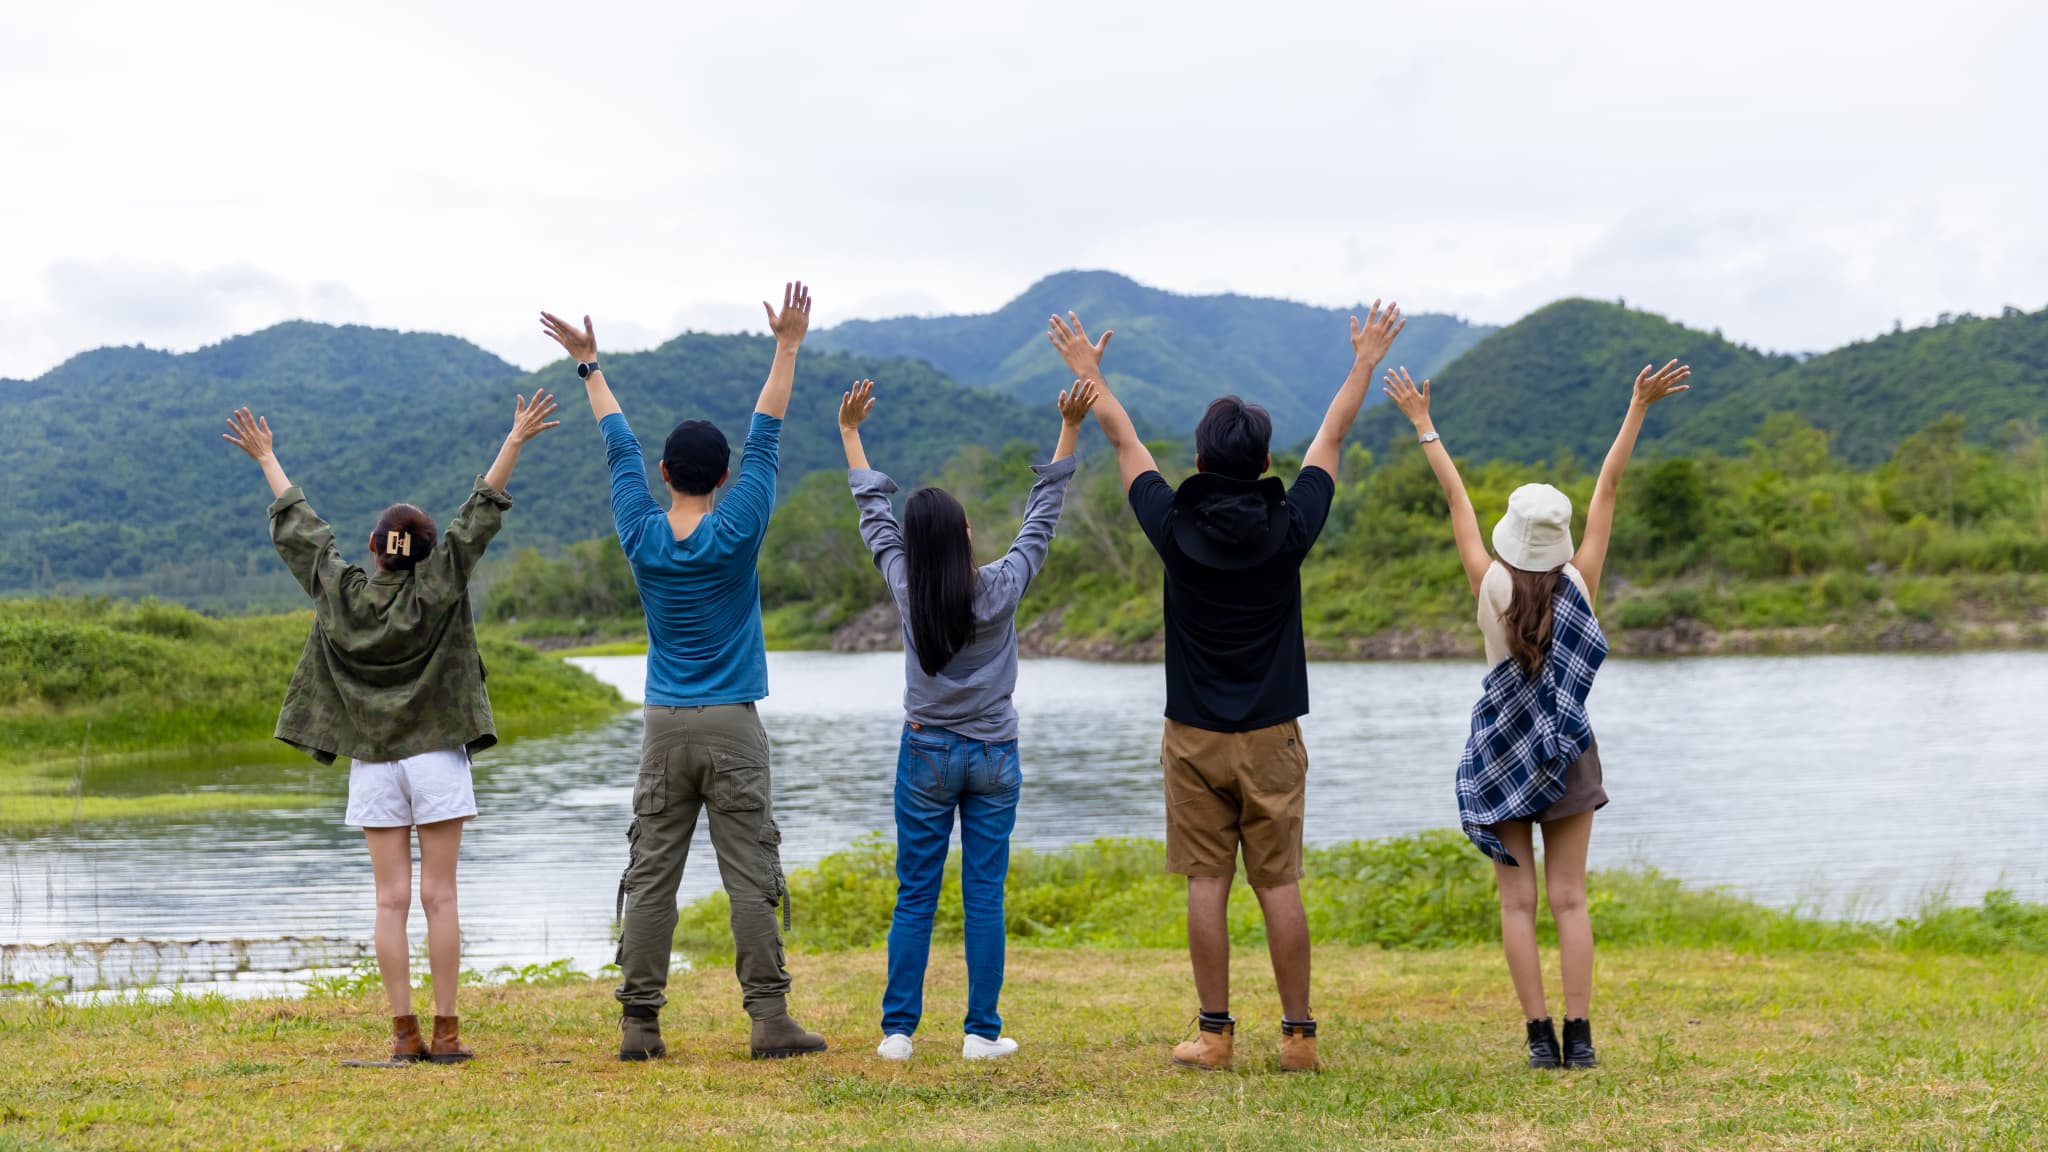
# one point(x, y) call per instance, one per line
point(975, 1048)
point(896, 1046)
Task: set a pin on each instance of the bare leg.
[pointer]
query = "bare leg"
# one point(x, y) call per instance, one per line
point(391, 863)
point(1518, 917)
point(440, 842)
point(1287, 944)
point(1564, 875)
point(1209, 939)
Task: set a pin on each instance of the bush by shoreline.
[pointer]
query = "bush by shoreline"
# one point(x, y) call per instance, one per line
point(1426, 890)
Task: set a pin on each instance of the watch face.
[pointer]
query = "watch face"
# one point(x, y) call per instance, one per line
point(583, 370)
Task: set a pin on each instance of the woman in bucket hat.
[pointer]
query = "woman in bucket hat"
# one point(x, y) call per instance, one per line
point(1531, 758)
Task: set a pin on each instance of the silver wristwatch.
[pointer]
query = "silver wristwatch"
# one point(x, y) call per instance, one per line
point(1429, 437)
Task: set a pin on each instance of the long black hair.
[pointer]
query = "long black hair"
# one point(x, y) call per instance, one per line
point(942, 576)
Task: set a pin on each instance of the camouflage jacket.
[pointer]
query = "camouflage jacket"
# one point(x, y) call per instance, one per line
point(391, 669)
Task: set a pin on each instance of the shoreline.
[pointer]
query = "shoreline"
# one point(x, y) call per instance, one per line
point(1683, 638)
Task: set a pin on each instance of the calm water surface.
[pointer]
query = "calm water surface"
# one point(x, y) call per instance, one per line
point(1851, 784)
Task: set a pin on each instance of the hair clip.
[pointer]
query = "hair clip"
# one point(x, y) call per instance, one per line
point(398, 543)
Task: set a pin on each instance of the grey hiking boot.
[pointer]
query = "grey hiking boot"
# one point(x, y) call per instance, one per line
point(640, 1038)
point(780, 1036)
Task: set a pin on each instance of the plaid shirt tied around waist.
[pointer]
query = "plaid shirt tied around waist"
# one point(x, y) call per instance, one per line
point(1526, 730)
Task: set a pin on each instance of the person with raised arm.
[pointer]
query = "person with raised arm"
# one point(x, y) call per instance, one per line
point(1233, 540)
point(959, 747)
point(703, 747)
point(390, 677)
point(1531, 758)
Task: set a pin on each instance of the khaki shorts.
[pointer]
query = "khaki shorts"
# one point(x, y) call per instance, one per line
point(1229, 788)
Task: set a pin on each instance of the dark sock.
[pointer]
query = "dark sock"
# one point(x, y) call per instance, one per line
point(642, 1012)
point(1215, 1021)
point(1298, 1027)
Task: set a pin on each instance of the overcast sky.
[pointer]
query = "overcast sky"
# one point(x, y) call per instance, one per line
point(1796, 174)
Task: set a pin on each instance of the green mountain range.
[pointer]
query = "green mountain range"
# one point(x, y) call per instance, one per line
point(1558, 381)
point(113, 475)
point(117, 478)
point(1171, 355)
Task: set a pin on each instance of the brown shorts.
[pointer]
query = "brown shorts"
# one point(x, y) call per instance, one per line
point(1229, 788)
point(1583, 790)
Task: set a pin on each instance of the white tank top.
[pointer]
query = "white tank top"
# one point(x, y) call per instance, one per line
point(1495, 591)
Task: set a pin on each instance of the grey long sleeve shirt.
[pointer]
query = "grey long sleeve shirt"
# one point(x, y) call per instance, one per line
point(971, 694)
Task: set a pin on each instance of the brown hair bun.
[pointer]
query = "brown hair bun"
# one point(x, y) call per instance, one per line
point(405, 536)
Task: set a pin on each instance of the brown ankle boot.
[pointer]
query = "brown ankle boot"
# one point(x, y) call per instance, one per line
point(407, 1046)
point(448, 1047)
point(1298, 1046)
point(1210, 1048)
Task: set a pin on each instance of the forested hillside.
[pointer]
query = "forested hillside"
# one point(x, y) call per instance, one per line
point(117, 479)
point(1781, 546)
point(1172, 354)
point(1557, 381)
point(1991, 372)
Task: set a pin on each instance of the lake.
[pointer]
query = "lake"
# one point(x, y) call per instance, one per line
point(1855, 785)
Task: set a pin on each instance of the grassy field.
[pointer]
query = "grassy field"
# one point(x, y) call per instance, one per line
point(96, 695)
point(1701, 1049)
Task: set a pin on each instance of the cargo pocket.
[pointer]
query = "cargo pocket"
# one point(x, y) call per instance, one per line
point(650, 792)
point(625, 889)
point(739, 784)
point(771, 847)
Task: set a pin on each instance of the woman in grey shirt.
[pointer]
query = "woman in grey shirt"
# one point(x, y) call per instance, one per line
point(959, 749)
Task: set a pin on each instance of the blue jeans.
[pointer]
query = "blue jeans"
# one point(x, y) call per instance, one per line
point(936, 772)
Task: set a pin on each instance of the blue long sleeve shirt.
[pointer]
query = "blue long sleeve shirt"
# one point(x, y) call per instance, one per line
point(701, 594)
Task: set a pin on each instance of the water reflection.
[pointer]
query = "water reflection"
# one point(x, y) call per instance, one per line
point(1849, 783)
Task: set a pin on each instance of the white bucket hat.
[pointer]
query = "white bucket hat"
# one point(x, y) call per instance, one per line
point(1536, 534)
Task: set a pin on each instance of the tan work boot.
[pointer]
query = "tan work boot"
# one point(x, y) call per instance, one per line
point(1298, 1046)
point(1210, 1050)
point(781, 1036)
point(448, 1047)
point(407, 1045)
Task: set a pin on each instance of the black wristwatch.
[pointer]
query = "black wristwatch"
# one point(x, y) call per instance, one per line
point(584, 370)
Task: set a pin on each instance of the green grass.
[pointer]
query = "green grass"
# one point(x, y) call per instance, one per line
point(91, 690)
point(1700, 1049)
point(23, 810)
point(611, 648)
point(1428, 890)
point(152, 677)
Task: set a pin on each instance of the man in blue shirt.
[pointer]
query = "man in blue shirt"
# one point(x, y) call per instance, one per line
point(703, 746)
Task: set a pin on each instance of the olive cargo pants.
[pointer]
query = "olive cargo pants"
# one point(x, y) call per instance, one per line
point(692, 758)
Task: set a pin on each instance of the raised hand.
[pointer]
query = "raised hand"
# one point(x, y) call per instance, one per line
point(1413, 401)
point(581, 345)
point(1076, 401)
point(855, 405)
point(790, 324)
point(530, 420)
point(250, 433)
point(1370, 340)
point(1083, 359)
point(1654, 386)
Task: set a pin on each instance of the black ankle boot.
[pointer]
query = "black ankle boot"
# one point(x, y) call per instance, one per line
point(1578, 1045)
point(1543, 1051)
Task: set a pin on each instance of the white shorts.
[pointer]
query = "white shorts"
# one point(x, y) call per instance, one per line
point(423, 789)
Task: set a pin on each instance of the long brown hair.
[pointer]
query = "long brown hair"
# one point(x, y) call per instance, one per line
point(1528, 616)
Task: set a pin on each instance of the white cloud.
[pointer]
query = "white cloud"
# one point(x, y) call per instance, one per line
point(1797, 175)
